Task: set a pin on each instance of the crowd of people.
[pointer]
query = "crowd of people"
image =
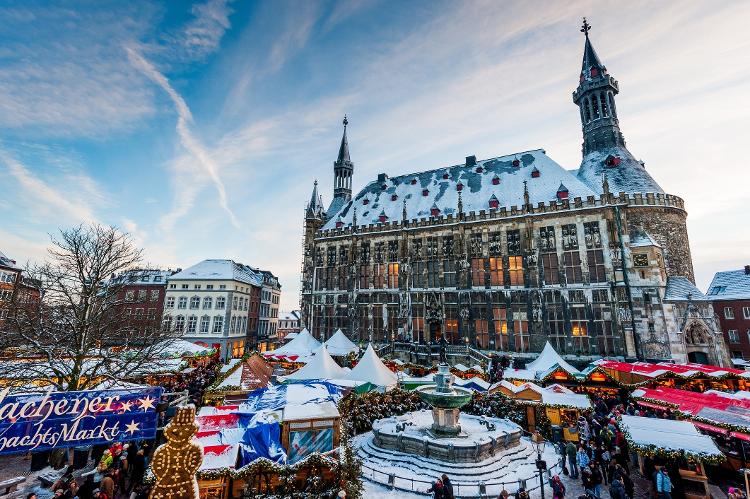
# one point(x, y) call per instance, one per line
point(195, 381)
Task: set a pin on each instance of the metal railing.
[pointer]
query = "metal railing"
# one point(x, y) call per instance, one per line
point(461, 490)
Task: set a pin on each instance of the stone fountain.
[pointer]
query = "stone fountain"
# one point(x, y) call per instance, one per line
point(445, 400)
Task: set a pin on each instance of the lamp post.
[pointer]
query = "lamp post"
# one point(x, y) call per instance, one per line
point(541, 465)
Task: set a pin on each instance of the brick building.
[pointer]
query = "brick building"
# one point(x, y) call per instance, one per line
point(15, 286)
point(289, 322)
point(507, 253)
point(730, 293)
point(141, 296)
point(270, 297)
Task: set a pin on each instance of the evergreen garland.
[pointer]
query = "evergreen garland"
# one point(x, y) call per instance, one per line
point(361, 410)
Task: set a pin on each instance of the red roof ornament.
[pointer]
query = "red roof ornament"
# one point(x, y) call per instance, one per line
point(434, 211)
point(382, 217)
point(383, 187)
point(365, 201)
point(394, 197)
point(612, 161)
point(425, 192)
point(459, 186)
point(495, 180)
point(339, 224)
point(413, 181)
point(562, 192)
point(445, 176)
point(516, 163)
point(535, 173)
point(494, 202)
point(479, 169)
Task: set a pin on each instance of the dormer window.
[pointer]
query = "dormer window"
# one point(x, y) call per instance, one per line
point(562, 192)
point(339, 224)
point(394, 197)
point(425, 192)
point(594, 72)
point(413, 181)
point(382, 217)
point(459, 186)
point(479, 169)
point(445, 176)
point(516, 163)
point(383, 187)
point(365, 201)
point(495, 180)
point(494, 202)
point(612, 161)
point(435, 211)
point(535, 173)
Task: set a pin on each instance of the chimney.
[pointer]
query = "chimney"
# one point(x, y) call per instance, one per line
point(471, 160)
point(747, 269)
point(382, 177)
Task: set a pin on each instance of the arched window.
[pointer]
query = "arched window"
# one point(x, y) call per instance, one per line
point(613, 109)
point(192, 323)
point(595, 108)
point(587, 109)
point(220, 303)
point(603, 102)
point(205, 322)
point(208, 302)
point(195, 302)
point(179, 324)
point(182, 302)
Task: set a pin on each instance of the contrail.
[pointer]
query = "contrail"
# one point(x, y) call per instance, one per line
point(190, 143)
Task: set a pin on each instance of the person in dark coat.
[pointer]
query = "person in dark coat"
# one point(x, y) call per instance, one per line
point(617, 490)
point(447, 487)
point(437, 489)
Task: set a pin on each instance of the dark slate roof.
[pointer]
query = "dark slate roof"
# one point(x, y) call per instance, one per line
point(590, 60)
point(7, 262)
point(678, 289)
point(315, 206)
point(730, 285)
point(629, 176)
point(478, 187)
point(344, 149)
point(221, 269)
point(640, 237)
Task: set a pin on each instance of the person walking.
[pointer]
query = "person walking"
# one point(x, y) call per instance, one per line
point(570, 451)
point(582, 458)
point(617, 490)
point(447, 487)
point(596, 478)
point(437, 490)
point(558, 488)
point(663, 484)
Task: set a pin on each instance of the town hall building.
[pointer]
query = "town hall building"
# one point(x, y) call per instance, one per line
point(506, 253)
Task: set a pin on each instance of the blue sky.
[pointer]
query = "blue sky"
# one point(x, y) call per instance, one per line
point(200, 127)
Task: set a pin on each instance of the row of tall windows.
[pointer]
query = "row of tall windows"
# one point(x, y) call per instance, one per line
point(191, 323)
point(195, 303)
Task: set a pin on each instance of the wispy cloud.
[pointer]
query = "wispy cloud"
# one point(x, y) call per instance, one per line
point(51, 200)
point(184, 120)
point(203, 34)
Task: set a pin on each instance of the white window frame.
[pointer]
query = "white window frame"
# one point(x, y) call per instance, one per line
point(182, 303)
point(205, 324)
point(170, 302)
point(733, 335)
point(195, 302)
point(728, 313)
point(218, 324)
point(746, 312)
point(192, 324)
point(208, 303)
point(179, 323)
point(221, 303)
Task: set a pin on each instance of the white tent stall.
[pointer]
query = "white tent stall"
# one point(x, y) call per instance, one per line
point(370, 369)
point(339, 345)
point(300, 349)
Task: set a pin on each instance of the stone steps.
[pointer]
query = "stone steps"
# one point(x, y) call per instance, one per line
point(517, 462)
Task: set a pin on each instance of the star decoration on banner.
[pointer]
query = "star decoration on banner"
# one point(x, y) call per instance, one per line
point(125, 406)
point(132, 427)
point(147, 403)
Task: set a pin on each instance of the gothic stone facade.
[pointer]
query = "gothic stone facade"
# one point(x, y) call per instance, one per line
point(508, 253)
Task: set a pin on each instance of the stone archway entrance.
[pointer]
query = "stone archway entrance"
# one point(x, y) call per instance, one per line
point(698, 357)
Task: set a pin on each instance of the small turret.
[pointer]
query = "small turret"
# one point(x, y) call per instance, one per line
point(343, 169)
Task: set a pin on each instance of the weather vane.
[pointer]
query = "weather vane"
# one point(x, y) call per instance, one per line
point(586, 27)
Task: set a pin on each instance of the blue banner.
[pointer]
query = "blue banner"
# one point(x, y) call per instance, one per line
point(41, 421)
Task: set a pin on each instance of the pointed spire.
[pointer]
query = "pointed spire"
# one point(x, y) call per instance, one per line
point(315, 206)
point(403, 211)
point(460, 204)
point(344, 148)
point(590, 58)
point(605, 185)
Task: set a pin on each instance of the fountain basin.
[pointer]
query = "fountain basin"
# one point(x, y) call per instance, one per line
point(481, 437)
point(454, 399)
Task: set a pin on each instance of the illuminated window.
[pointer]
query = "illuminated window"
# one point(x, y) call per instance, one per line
point(515, 268)
point(477, 272)
point(496, 271)
point(393, 275)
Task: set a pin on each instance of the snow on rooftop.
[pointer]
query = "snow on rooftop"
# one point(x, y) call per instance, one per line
point(680, 288)
point(220, 269)
point(370, 369)
point(422, 191)
point(628, 176)
point(340, 345)
point(668, 434)
point(730, 285)
point(577, 400)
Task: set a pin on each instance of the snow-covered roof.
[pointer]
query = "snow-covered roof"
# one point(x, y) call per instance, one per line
point(668, 435)
point(475, 383)
point(370, 369)
point(338, 344)
point(184, 348)
point(577, 400)
point(548, 359)
point(679, 288)
point(7, 262)
point(220, 269)
point(640, 238)
point(143, 277)
point(321, 366)
point(628, 176)
point(254, 373)
point(289, 316)
point(303, 346)
point(730, 285)
point(419, 192)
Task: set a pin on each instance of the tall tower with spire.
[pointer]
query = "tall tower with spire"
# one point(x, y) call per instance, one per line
point(603, 142)
point(343, 169)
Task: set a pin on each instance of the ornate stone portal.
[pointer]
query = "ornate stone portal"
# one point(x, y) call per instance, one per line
point(176, 462)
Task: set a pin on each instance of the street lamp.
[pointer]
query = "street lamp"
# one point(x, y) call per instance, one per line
point(541, 465)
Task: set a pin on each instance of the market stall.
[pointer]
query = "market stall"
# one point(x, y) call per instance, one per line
point(675, 444)
point(549, 367)
point(339, 345)
point(693, 377)
point(298, 350)
point(241, 378)
point(370, 369)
